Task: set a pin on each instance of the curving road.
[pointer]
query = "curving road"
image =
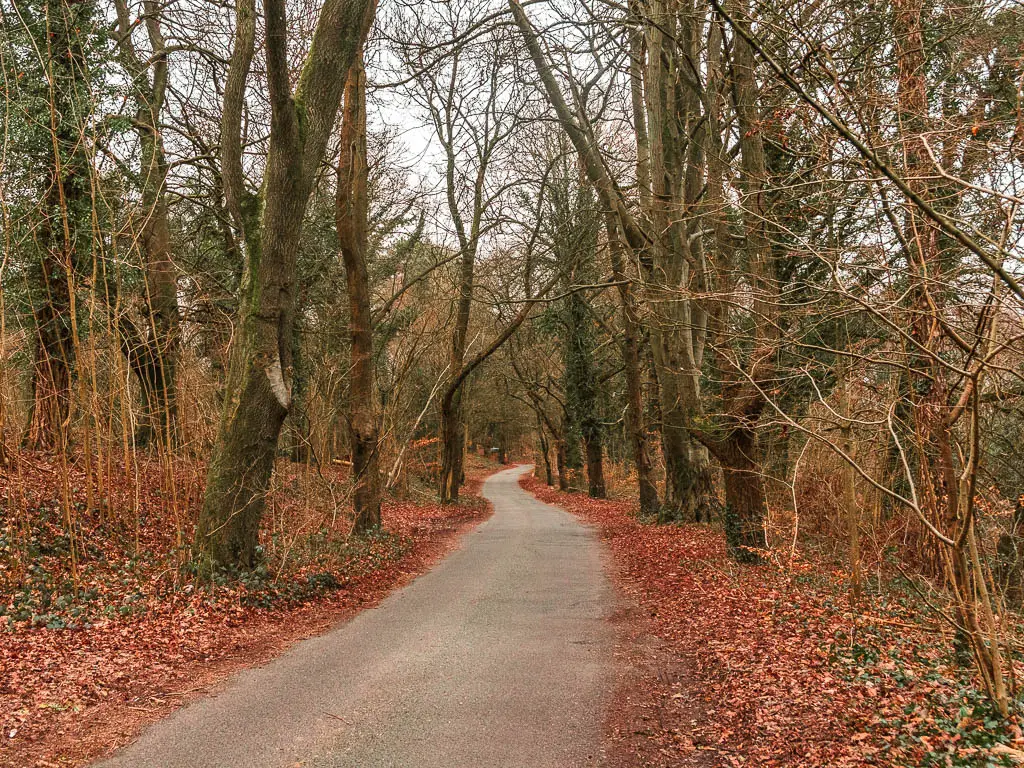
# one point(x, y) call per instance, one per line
point(499, 657)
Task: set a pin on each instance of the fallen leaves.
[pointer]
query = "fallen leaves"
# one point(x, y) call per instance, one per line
point(98, 674)
point(774, 668)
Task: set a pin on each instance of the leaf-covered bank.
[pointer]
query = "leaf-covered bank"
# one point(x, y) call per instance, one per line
point(772, 668)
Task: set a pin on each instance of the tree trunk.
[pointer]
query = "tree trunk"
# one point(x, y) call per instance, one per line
point(258, 394)
point(549, 478)
point(745, 506)
point(53, 354)
point(689, 489)
point(927, 392)
point(659, 176)
point(649, 502)
point(453, 430)
point(581, 393)
point(159, 407)
point(562, 461)
point(542, 422)
point(595, 468)
point(453, 440)
point(849, 477)
point(352, 214)
point(145, 360)
point(157, 376)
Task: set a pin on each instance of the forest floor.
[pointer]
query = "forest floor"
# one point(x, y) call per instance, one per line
point(88, 659)
point(729, 665)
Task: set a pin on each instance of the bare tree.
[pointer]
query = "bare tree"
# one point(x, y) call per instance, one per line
point(473, 112)
point(352, 211)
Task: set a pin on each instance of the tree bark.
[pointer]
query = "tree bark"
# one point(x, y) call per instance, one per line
point(595, 468)
point(745, 506)
point(648, 491)
point(849, 477)
point(352, 214)
point(574, 244)
point(453, 440)
point(52, 359)
point(562, 461)
point(453, 429)
point(545, 451)
point(689, 488)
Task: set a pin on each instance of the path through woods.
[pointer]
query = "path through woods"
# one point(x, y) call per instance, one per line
point(500, 656)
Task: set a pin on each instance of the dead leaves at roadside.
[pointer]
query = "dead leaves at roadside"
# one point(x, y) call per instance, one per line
point(784, 674)
point(68, 695)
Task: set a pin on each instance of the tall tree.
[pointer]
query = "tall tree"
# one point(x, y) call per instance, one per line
point(670, 172)
point(62, 33)
point(352, 214)
point(258, 395)
point(572, 222)
point(746, 369)
point(151, 345)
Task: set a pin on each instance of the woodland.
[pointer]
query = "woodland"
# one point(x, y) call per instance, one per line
point(282, 281)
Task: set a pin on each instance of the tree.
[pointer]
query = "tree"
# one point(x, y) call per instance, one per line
point(352, 209)
point(64, 34)
point(747, 367)
point(670, 176)
point(572, 224)
point(151, 346)
point(258, 394)
point(474, 111)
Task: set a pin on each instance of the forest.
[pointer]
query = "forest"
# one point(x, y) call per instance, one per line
point(289, 287)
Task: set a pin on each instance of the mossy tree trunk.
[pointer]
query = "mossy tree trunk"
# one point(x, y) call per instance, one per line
point(562, 464)
point(52, 357)
point(64, 233)
point(745, 505)
point(258, 393)
point(581, 389)
point(746, 375)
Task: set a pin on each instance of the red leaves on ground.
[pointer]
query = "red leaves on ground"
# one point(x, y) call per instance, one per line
point(766, 666)
point(70, 695)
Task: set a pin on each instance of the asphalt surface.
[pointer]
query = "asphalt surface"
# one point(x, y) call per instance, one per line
point(499, 657)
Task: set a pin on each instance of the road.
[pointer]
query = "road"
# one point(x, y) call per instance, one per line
point(499, 657)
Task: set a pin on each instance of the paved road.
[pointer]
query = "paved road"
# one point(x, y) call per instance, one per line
point(499, 657)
